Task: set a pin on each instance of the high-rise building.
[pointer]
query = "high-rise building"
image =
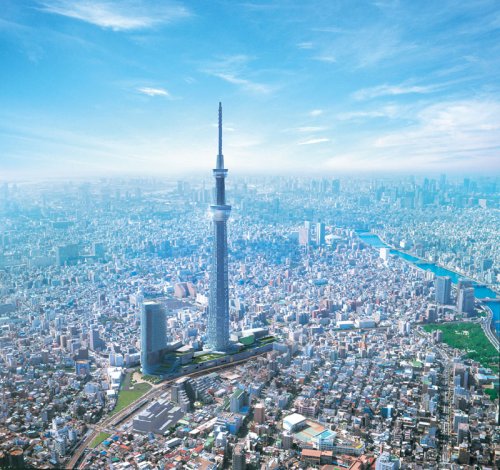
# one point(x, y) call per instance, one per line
point(67, 254)
point(443, 290)
point(218, 312)
point(259, 413)
point(238, 400)
point(384, 253)
point(153, 335)
point(320, 233)
point(95, 342)
point(305, 234)
point(287, 440)
point(458, 418)
point(463, 433)
point(465, 301)
point(239, 458)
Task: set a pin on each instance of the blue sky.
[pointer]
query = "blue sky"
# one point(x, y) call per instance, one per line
point(103, 87)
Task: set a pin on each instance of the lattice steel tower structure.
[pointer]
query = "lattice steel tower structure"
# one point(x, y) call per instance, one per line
point(218, 310)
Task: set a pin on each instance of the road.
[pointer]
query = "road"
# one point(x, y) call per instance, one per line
point(106, 425)
point(486, 326)
point(446, 395)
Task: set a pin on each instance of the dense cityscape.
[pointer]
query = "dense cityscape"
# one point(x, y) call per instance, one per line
point(249, 235)
point(362, 326)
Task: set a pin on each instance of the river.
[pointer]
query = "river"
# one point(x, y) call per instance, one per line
point(481, 292)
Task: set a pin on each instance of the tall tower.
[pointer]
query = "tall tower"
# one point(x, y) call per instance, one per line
point(218, 312)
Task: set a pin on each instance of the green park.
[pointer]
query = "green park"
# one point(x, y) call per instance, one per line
point(129, 392)
point(470, 338)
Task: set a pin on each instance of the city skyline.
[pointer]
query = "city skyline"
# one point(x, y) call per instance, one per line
point(364, 322)
point(120, 88)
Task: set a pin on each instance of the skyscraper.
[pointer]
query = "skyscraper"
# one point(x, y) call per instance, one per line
point(305, 234)
point(443, 290)
point(465, 301)
point(153, 335)
point(95, 342)
point(218, 311)
point(320, 233)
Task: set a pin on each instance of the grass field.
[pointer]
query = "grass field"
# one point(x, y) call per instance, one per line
point(126, 397)
point(102, 436)
point(206, 357)
point(469, 337)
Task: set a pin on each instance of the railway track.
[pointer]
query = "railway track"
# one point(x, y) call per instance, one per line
point(108, 424)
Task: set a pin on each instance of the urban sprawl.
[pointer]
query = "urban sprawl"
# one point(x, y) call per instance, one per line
point(346, 349)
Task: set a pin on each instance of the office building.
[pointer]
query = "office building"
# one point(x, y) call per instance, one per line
point(443, 290)
point(153, 336)
point(459, 418)
point(384, 253)
point(259, 413)
point(67, 254)
point(465, 301)
point(305, 234)
point(287, 440)
point(95, 342)
point(239, 399)
point(320, 233)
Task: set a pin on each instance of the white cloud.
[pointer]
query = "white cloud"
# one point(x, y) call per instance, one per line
point(393, 90)
point(305, 45)
point(306, 129)
point(449, 136)
point(384, 112)
point(248, 85)
point(328, 58)
point(232, 69)
point(332, 29)
point(316, 112)
point(154, 92)
point(123, 15)
point(366, 46)
point(314, 141)
point(452, 127)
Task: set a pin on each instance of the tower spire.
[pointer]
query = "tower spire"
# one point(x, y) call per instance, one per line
point(220, 157)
